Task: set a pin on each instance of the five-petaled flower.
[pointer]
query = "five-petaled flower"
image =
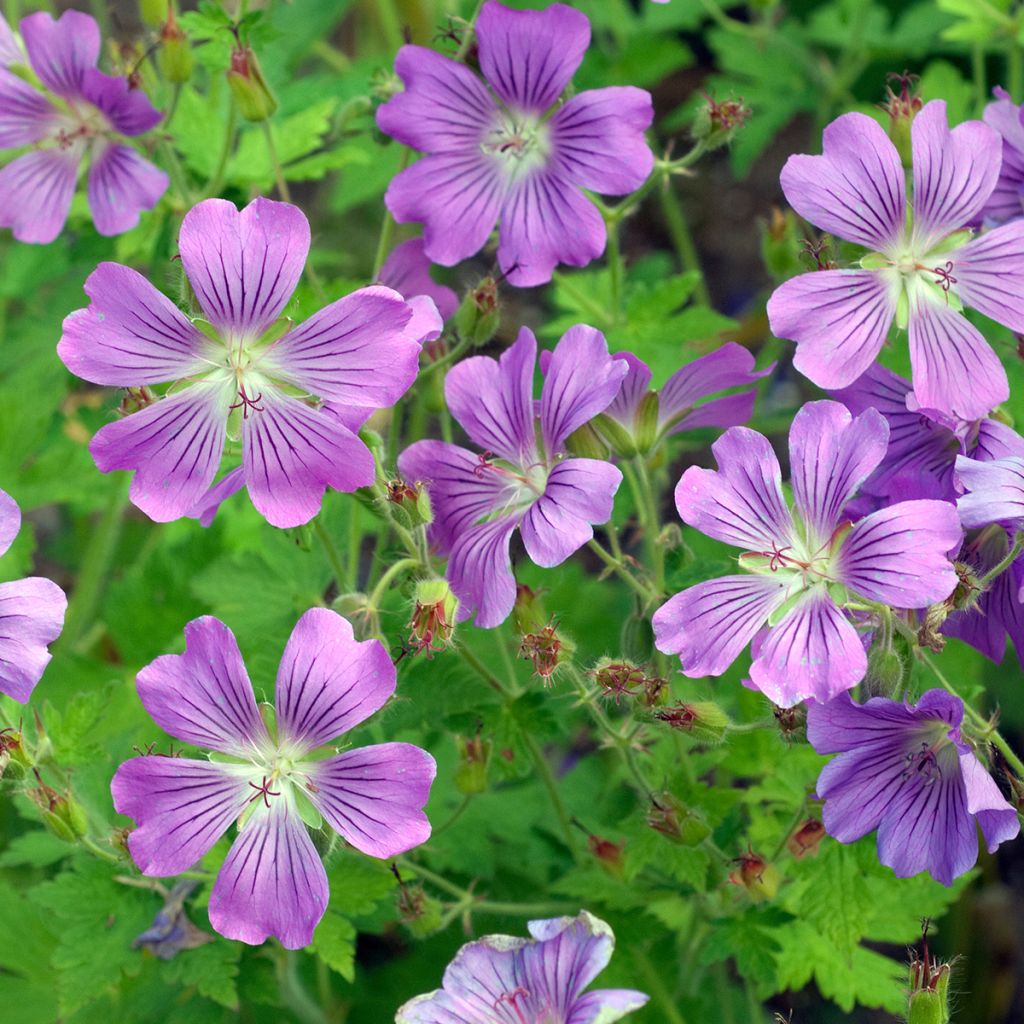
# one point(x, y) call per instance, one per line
point(249, 375)
point(272, 882)
point(81, 112)
point(918, 272)
point(31, 616)
point(523, 478)
point(503, 152)
point(500, 979)
point(803, 571)
point(906, 771)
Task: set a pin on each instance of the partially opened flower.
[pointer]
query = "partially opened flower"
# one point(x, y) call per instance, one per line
point(272, 882)
point(245, 375)
point(919, 272)
point(407, 270)
point(1007, 199)
point(31, 616)
point(803, 570)
point(906, 771)
point(923, 443)
point(501, 151)
point(80, 114)
point(501, 979)
point(639, 418)
point(523, 478)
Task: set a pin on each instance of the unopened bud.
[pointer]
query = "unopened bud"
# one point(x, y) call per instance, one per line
point(586, 443)
point(928, 1002)
point(174, 57)
point(902, 107)
point(806, 840)
point(409, 504)
point(253, 97)
point(716, 123)
point(474, 759)
point(420, 913)
point(886, 672)
point(61, 813)
point(433, 619)
point(609, 855)
point(703, 720)
point(647, 423)
point(618, 679)
point(546, 649)
point(792, 722)
point(757, 876)
point(479, 315)
point(620, 440)
point(674, 821)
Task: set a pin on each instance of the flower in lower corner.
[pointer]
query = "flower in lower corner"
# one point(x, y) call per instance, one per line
point(243, 374)
point(523, 478)
point(78, 114)
point(501, 150)
point(905, 771)
point(803, 571)
point(919, 271)
point(501, 979)
point(272, 882)
point(31, 616)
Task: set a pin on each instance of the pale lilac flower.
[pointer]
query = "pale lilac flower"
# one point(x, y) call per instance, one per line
point(802, 571)
point(407, 270)
point(272, 882)
point(906, 771)
point(923, 443)
point(80, 114)
point(1007, 199)
point(501, 979)
point(523, 478)
point(250, 376)
point(31, 616)
point(919, 274)
point(995, 492)
point(644, 417)
point(501, 151)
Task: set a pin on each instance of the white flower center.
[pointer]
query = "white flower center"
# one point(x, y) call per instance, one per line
point(521, 143)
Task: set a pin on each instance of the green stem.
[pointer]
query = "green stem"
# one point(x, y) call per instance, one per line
point(387, 226)
point(655, 552)
point(341, 577)
point(524, 909)
point(617, 566)
point(616, 269)
point(1007, 561)
point(216, 182)
point(293, 993)
point(654, 981)
point(97, 851)
point(453, 817)
point(548, 779)
point(382, 584)
point(436, 880)
point(176, 172)
point(355, 538)
point(467, 39)
point(282, 185)
point(978, 74)
point(481, 669)
point(682, 241)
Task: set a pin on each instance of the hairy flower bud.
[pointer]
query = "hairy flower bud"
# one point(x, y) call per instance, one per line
point(474, 759)
point(62, 815)
point(716, 123)
point(253, 97)
point(757, 876)
point(409, 504)
point(528, 612)
point(706, 722)
point(433, 619)
point(174, 57)
point(420, 913)
point(547, 649)
point(806, 840)
point(928, 1002)
point(618, 679)
point(902, 107)
point(609, 854)
point(478, 317)
point(676, 822)
point(886, 671)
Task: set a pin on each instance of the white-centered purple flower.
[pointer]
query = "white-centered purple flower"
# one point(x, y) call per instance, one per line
point(502, 151)
point(407, 270)
point(644, 417)
point(243, 374)
point(906, 771)
point(31, 616)
point(270, 780)
point(802, 570)
point(1007, 200)
point(523, 478)
point(921, 268)
point(923, 443)
point(80, 113)
point(995, 492)
point(502, 979)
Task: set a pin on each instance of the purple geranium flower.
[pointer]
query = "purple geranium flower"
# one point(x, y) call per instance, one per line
point(407, 270)
point(82, 113)
point(31, 616)
point(803, 572)
point(523, 478)
point(272, 882)
point(640, 418)
point(1007, 199)
point(923, 443)
point(250, 376)
point(501, 979)
point(915, 275)
point(905, 770)
point(995, 491)
point(502, 152)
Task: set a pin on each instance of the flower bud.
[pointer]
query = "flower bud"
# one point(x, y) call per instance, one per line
point(646, 424)
point(409, 504)
point(715, 124)
point(806, 840)
point(433, 619)
point(703, 720)
point(928, 635)
point(886, 671)
point(474, 759)
point(547, 650)
point(968, 588)
point(669, 817)
point(902, 108)
point(62, 815)
point(609, 855)
point(618, 679)
point(928, 1002)
point(174, 57)
point(155, 12)
point(479, 315)
point(420, 913)
point(792, 722)
point(253, 97)
point(587, 443)
point(528, 612)
point(757, 876)
point(619, 439)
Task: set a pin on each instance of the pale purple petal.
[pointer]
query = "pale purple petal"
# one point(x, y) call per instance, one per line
point(204, 696)
point(741, 503)
point(292, 453)
point(127, 109)
point(31, 616)
point(955, 369)
point(546, 220)
point(813, 652)
point(579, 492)
point(710, 624)
point(492, 400)
point(10, 52)
point(174, 446)
point(856, 189)
point(831, 454)
point(26, 116)
point(996, 440)
point(529, 57)
point(180, 808)
point(207, 507)
point(728, 411)
point(998, 819)
point(635, 386)
point(954, 173)
point(839, 320)
point(581, 380)
point(598, 142)
point(996, 491)
point(272, 882)
point(10, 521)
point(36, 192)
point(898, 555)
point(605, 1005)
point(244, 265)
point(374, 796)
point(989, 274)
point(407, 270)
point(1005, 201)
point(61, 51)
point(130, 334)
point(328, 682)
point(480, 571)
point(444, 108)
point(426, 323)
point(121, 185)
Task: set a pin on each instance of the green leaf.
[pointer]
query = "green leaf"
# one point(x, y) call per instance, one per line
point(334, 941)
point(211, 969)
